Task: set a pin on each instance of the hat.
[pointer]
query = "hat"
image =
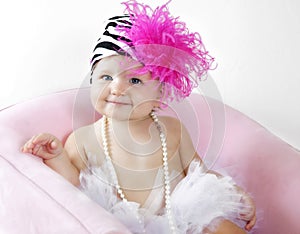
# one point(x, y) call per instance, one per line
point(161, 42)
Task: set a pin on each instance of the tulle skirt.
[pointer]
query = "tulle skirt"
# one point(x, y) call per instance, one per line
point(200, 200)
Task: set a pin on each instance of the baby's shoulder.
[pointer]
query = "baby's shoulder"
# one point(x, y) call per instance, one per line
point(78, 142)
point(81, 136)
point(84, 130)
point(171, 124)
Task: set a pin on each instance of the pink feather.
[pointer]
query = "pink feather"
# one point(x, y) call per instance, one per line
point(165, 46)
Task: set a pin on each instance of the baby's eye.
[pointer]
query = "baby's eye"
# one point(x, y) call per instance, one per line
point(135, 81)
point(106, 77)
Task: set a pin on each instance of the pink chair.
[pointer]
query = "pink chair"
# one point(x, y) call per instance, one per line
point(35, 199)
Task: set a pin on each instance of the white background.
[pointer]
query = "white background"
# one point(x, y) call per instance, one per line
point(46, 45)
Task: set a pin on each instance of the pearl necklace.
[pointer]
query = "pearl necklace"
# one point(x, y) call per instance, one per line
point(167, 186)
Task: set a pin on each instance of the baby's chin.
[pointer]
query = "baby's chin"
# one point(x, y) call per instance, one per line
point(118, 115)
point(126, 117)
point(126, 112)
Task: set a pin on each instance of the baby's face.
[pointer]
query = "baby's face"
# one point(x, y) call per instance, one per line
point(119, 92)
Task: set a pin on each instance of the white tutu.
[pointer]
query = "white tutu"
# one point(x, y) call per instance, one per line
point(198, 201)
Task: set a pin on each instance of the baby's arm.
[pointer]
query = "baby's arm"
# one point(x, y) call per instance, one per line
point(54, 155)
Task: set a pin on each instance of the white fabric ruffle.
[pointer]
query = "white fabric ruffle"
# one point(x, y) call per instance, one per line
point(198, 201)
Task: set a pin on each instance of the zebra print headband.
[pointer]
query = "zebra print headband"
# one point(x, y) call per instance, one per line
point(111, 41)
point(160, 42)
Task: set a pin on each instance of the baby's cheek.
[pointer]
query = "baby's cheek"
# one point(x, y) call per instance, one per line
point(97, 94)
point(93, 98)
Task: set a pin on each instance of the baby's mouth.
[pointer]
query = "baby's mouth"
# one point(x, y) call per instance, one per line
point(117, 102)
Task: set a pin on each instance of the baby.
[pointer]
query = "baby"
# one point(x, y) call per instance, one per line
point(141, 167)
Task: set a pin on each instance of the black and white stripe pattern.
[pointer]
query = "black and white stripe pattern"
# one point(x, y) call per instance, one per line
point(111, 42)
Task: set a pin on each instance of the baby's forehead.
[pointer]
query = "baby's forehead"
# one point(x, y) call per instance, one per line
point(118, 63)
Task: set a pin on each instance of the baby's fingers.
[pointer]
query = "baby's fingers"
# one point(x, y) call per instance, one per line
point(47, 144)
point(35, 143)
point(36, 149)
point(43, 145)
point(250, 224)
point(42, 152)
point(42, 139)
point(28, 146)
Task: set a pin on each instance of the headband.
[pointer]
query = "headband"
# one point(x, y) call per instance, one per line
point(162, 43)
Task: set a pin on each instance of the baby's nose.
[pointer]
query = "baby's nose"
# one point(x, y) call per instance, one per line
point(118, 87)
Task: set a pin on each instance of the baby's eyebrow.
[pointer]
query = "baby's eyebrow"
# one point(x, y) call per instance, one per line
point(102, 71)
point(133, 74)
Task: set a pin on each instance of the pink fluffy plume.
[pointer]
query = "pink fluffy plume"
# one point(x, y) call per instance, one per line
point(167, 49)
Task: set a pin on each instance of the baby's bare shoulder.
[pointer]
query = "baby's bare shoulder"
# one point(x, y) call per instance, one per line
point(84, 131)
point(75, 145)
point(170, 123)
point(173, 127)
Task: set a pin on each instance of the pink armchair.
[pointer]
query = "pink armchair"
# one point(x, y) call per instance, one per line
point(35, 199)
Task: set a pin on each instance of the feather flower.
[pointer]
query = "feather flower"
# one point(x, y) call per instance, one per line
point(167, 49)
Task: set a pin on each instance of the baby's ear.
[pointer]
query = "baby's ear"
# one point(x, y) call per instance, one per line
point(162, 89)
point(161, 94)
point(166, 92)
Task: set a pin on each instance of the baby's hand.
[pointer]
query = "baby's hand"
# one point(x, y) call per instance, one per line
point(43, 145)
point(249, 214)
